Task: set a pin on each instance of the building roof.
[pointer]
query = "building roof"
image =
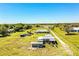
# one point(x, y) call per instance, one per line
point(10, 30)
point(42, 31)
point(36, 42)
point(75, 28)
point(48, 35)
point(51, 38)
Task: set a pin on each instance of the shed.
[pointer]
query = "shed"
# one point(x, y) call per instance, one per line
point(23, 35)
point(37, 44)
point(48, 35)
point(42, 31)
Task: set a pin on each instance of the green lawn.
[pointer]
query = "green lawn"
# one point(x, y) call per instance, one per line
point(71, 40)
point(14, 45)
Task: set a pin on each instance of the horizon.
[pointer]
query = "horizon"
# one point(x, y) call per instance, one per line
point(41, 23)
point(35, 13)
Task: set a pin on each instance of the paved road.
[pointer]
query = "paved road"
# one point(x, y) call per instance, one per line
point(64, 45)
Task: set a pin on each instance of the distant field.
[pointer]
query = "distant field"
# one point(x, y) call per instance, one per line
point(71, 40)
point(14, 45)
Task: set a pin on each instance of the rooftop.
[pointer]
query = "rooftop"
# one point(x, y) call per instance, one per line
point(75, 28)
point(50, 37)
point(36, 42)
point(42, 31)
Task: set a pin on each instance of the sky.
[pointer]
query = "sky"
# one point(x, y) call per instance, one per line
point(39, 13)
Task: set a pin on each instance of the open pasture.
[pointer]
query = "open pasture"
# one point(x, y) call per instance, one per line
point(71, 40)
point(14, 45)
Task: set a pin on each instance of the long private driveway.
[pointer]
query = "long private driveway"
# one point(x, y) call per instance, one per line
point(64, 45)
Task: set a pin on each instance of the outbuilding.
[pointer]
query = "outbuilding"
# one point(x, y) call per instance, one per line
point(42, 31)
point(48, 35)
point(23, 35)
point(37, 44)
point(48, 39)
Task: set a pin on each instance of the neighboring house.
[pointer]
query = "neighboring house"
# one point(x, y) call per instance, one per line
point(10, 30)
point(74, 29)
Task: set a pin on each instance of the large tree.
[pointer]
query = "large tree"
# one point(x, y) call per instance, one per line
point(3, 30)
point(67, 28)
point(18, 27)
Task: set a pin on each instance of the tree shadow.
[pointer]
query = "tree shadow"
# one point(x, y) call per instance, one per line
point(71, 34)
point(4, 36)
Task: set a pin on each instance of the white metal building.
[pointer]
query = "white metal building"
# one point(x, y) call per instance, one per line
point(46, 37)
point(74, 29)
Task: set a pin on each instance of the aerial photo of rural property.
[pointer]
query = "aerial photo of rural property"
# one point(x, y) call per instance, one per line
point(39, 29)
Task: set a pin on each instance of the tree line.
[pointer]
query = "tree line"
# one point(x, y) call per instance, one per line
point(6, 29)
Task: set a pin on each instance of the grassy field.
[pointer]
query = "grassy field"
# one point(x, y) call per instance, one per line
point(71, 40)
point(14, 45)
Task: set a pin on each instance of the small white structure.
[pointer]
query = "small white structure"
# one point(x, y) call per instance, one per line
point(10, 30)
point(48, 35)
point(42, 31)
point(74, 29)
